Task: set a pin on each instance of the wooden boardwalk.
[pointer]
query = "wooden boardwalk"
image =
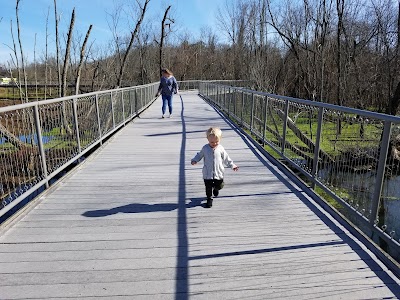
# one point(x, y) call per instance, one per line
point(129, 224)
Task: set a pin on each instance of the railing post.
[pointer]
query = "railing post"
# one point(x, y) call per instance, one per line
point(265, 119)
point(285, 126)
point(98, 118)
point(217, 97)
point(123, 106)
point(112, 109)
point(231, 93)
point(317, 145)
point(75, 112)
point(136, 100)
point(224, 97)
point(241, 114)
point(131, 102)
point(380, 173)
point(252, 114)
point(40, 144)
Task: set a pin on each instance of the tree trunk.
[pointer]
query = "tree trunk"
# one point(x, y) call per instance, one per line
point(133, 36)
point(66, 58)
point(394, 101)
point(163, 35)
point(22, 54)
point(82, 57)
point(57, 49)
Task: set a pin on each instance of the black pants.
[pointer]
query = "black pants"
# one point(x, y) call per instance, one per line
point(217, 184)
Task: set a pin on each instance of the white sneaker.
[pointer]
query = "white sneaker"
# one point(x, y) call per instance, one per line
point(170, 116)
point(162, 117)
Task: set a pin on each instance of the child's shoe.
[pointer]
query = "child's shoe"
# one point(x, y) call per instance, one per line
point(209, 202)
point(215, 192)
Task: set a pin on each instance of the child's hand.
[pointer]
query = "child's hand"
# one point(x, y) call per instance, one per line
point(193, 162)
point(235, 168)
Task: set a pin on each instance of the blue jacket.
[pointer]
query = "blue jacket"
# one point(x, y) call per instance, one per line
point(168, 85)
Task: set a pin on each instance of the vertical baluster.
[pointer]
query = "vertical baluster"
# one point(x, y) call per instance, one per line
point(380, 173)
point(76, 125)
point(42, 154)
point(317, 145)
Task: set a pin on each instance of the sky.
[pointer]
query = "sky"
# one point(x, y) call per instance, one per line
point(189, 16)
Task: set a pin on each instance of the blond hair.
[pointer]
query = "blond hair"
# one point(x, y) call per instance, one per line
point(214, 131)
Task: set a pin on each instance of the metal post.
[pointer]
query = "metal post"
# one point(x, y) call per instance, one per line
point(136, 100)
point(131, 102)
point(224, 101)
point(241, 114)
point(141, 98)
point(380, 173)
point(265, 119)
point(123, 107)
point(285, 126)
point(252, 114)
point(112, 109)
point(98, 118)
point(75, 112)
point(317, 145)
point(40, 144)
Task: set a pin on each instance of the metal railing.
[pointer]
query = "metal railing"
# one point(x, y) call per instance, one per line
point(39, 140)
point(348, 153)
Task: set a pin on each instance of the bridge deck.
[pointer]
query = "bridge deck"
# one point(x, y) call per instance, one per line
point(128, 223)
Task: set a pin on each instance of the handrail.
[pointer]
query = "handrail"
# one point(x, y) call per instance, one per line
point(40, 140)
point(344, 152)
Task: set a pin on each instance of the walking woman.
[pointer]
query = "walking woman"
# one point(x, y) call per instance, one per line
point(168, 87)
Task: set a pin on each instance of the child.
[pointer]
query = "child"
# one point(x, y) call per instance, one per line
point(215, 157)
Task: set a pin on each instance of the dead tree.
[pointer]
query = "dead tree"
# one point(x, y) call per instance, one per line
point(82, 57)
point(66, 58)
point(57, 49)
point(164, 34)
point(133, 37)
point(21, 51)
point(16, 64)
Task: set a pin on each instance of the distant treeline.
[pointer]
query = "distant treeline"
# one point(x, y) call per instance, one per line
point(341, 52)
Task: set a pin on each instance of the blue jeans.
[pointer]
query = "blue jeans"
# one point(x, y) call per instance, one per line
point(166, 100)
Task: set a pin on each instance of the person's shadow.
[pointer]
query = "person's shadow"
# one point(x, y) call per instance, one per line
point(135, 208)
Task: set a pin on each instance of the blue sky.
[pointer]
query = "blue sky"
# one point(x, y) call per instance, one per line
point(190, 16)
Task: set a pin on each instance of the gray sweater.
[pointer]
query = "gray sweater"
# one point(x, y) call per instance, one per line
point(214, 161)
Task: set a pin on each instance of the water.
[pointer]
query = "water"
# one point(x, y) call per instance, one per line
point(359, 188)
point(28, 139)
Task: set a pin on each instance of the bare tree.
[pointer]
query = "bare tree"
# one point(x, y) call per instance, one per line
point(57, 50)
point(165, 29)
point(67, 56)
point(234, 20)
point(81, 60)
point(21, 51)
point(132, 38)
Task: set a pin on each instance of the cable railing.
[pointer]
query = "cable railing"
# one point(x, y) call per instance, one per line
point(350, 155)
point(40, 140)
